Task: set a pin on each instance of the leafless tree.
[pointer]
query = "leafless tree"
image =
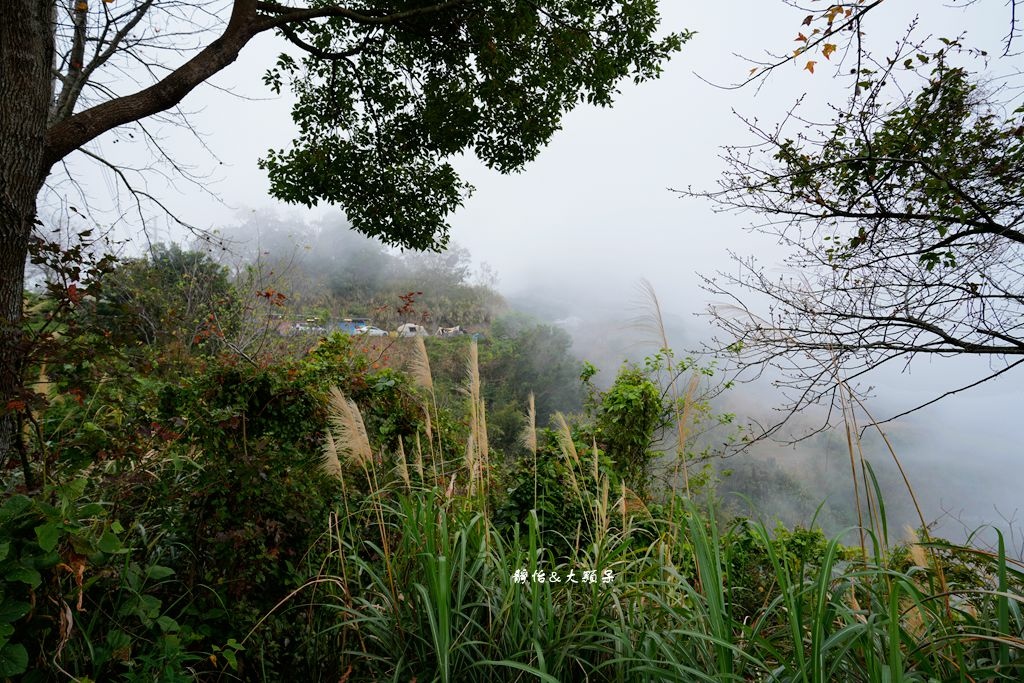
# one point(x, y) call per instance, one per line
point(904, 219)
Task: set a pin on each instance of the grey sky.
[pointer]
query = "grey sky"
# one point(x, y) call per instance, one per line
point(593, 214)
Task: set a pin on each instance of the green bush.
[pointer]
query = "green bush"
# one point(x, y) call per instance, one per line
point(628, 418)
point(543, 496)
point(81, 593)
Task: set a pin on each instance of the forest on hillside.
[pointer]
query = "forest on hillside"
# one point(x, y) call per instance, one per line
point(213, 496)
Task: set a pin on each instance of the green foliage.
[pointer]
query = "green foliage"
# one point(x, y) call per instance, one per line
point(519, 357)
point(629, 416)
point(220, 565)
point(689, 603)
point(79, 589)
point(946, 157)
point(543, 496)
point(99, 409)
point(752, 580)
point(21, 558)
point(204, 539)
point(171, 295)
point(377, 131)
point(388, 401)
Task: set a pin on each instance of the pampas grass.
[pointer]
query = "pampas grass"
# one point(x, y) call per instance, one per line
point(916, 551)
point(347, 433)
point(418, 462)
point(622, 503)
point(456, 612)
point(529, 440)
point(435, 597)
point(529, 435)
point(403, 465)
point(419, 367)
point(655, 322)
point(563, 433)
point(419, 370)
point(331, 465)
point(565, 442)
point(477, 449)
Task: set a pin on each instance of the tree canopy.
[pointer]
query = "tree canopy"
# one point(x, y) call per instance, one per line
point(380, 113)
point(387, 91)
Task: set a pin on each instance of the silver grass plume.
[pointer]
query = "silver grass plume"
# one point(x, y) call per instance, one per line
point(347, 429)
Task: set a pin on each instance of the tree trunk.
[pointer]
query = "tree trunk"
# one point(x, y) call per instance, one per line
point(26, 67)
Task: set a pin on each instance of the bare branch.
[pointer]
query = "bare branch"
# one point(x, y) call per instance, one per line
point(137, 193)
point(952, 392)
point(77, 130)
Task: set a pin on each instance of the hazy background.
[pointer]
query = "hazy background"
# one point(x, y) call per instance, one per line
point(570, 237)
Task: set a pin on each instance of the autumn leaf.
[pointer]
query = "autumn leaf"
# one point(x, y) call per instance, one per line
point(801, 38)
point(808, 19)
point(827, 50)
point(753, 71)
point(810, 66)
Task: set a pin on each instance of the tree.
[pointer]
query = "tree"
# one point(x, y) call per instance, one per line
point(171, 296)
point(388, 91)
point(906, 221)
point(628, 419)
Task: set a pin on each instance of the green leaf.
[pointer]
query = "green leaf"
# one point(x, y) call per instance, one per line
point(82, 545)
point(13, 660)
point(158, 572)
point(74, 489)
point(110, 543)
point(12, 610)
point(24, 574)
point(91, 510)
point(48, 535)
point(13, 507)
point(148, 607)
point(167, 625)
point(498, 87)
